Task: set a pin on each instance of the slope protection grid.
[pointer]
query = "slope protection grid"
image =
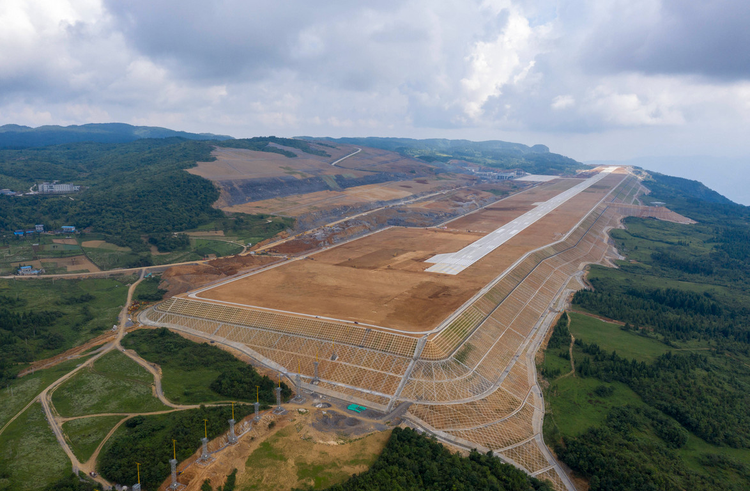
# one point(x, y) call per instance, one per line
point(472, 383)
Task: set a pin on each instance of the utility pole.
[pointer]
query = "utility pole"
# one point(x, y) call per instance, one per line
point(232, 438)
point(204, 441)
point(137, 487)
point(257, 403)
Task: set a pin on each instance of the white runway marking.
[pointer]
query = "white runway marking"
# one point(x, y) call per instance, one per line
point(455, 262)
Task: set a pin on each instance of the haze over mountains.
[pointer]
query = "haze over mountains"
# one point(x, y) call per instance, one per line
point(17, 136)
point(720, 173)
point(727, 175)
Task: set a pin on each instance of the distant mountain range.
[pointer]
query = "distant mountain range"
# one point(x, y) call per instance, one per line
point(536, 159)
point(16, 136)
point(432, 144)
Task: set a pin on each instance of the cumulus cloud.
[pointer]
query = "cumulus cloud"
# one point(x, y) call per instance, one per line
point(532, 70)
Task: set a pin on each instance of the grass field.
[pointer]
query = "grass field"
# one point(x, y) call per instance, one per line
point(219, 247)
point(149, 439)
point(284, 461)
point(181, 384)
point(115, 384)
point(148, 290)
point(82, 317)
point(85, 434)
point(610, 337)
point(31, 248)
point(110, 259)
point(189, 370)
point(574, 407)
point(554, 364)
point(248, 228)
point(27, 388)
point(31, 458)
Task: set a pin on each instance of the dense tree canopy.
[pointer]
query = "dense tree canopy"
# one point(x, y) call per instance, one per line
point(411, 461)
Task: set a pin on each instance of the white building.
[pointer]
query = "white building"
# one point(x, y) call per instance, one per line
point(53, 188)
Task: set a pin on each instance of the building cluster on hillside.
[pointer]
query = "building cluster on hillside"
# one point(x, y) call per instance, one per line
point(57, 188)
point(39, 229)
point(53, 187)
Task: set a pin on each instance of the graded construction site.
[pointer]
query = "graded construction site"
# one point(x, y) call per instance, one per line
point(374, 321)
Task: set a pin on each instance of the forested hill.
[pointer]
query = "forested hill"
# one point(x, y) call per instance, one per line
point(128, 189)
point(536, 159)
point(16, 136)
point(688, 189)
point(661, 401)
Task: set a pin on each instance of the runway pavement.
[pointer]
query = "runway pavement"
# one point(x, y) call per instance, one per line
point(455, 262)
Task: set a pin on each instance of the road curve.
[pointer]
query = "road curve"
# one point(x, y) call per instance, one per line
point(46, 396)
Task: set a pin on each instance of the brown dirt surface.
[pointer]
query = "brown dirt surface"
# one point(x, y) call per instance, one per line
point(234, 168)
point(66, 355)
point(426, 212)
point(34, 264)
point(181, 279)
point(377, 160)
point(65, 241)
point(236, 163)
point(380, 279)
point(292, 454)
point(74, 263)
point(305, 203)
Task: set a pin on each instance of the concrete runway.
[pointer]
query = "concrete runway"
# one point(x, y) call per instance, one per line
point(455, 262)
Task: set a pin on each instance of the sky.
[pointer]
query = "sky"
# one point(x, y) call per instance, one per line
point(592, 79)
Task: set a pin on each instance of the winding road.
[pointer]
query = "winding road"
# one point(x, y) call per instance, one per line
point(56, 421)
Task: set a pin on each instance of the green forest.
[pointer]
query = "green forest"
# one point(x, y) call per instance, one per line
point(199, 372)
point(129, 190)
point(42, 318)
point(660, 402)
point(148, 439)
point(411, 461)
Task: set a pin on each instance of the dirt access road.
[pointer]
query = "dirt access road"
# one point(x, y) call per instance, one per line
point(55, 420)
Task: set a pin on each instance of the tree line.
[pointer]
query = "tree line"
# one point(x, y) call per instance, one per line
point(411, 461)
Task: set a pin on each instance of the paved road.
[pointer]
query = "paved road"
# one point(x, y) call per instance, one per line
point(347, 156)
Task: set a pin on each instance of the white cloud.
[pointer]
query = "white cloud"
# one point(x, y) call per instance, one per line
point(563, 102)
point(532, 70)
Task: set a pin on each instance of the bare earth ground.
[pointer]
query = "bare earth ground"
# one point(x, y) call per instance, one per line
point(233, 167)
point(380, 278)
point(295, 452)
point(421, 214)
point(65, 241)
point(235, 163)
point(180, 279)
point(74, 263)
point(304, 203)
